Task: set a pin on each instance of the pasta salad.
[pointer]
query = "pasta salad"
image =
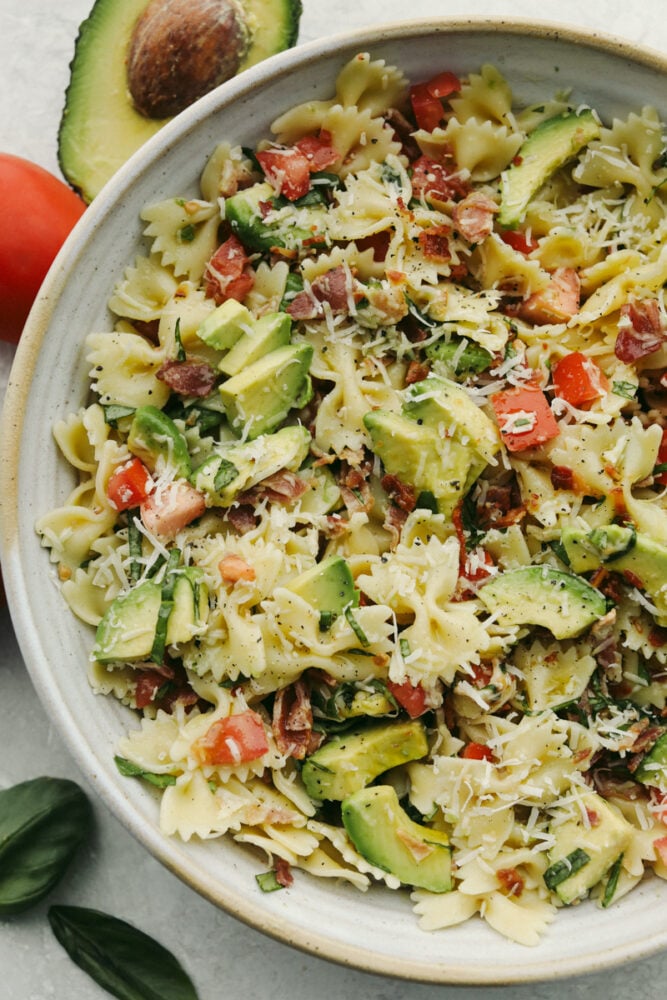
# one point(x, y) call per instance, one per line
point(370, 518)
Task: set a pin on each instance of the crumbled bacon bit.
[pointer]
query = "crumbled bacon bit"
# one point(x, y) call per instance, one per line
point(563, 478)
point(292, 722)
point(402, 494)
point(416, 372)
point(283, 872)
point(188, 378)
point(511, 882)
point(640, 330)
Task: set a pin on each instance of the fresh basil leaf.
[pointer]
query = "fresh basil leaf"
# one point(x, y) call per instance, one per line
point(42, 823)
point(119, 957)
point(561, 870)
point(130, 770)
point(626, 389)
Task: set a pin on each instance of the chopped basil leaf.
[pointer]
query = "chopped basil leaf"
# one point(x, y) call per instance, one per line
point(356, 627)
point(114, 412)
point(227, 473)
point(563, 869)
point(626, 389)
point(180, 350)
point(612, 882)
point(130, 770)
point(327, 619)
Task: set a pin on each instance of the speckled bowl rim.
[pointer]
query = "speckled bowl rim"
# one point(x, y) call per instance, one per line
point(170, 852)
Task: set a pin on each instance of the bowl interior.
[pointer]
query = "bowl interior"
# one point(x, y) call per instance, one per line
point(374, 931)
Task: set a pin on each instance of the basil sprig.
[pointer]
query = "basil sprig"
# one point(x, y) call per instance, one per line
point(119, 957)
point(42, 823)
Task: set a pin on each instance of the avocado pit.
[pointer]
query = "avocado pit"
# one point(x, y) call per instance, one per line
point(182, 49)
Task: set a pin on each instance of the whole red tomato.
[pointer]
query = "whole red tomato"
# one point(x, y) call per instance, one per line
point(37, 212)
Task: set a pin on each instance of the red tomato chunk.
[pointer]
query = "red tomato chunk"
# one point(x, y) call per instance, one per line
point(129, 485)
point(411, 697)
point(524, 417)
point(287, 170)
point(233, 740)
point(578, 380)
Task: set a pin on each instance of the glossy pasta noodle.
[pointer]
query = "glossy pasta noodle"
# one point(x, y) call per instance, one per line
point(370, 516)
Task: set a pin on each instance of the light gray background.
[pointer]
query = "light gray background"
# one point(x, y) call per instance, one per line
point(226, 960)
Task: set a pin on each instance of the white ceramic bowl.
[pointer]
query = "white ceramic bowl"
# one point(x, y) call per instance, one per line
point(375, 931)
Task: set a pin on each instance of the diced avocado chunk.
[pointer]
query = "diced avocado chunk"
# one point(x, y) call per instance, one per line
point(548, 147)
point(352, 701)
point(351, 761)
point(633, 554)
point(445, 406)
point(224, 326)
point(226, 473)
point(459, 356)
point(584, 850)
point(157, 441)
point(540, 595)
point(384, 834)
point(258, 399)
point(100, 127)
point(128, 627)
point(653, 767)
point(439, 444)
point(258, 338)
point(419, 457)
point(246, 214)
point(328, 586)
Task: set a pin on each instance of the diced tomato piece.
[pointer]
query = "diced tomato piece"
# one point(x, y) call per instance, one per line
point(661, 477)
point(578, 380)
point(557, 303)
point(411, 697)
point(129, 485)
point(524, 417)
point(318, 150)
point(519, 241)
point(477, 751)
point(428, 110)
point(233, 568)
point(660, 846)
point(444, 84)
point(169, 509)
point(287, 170)
point(236, 739)
point(228, 274)
point(477, 566)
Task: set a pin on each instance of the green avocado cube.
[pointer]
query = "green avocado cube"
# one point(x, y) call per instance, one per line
point(223, 327)
point(384, 834)
point(258, 399)
point(264, 335)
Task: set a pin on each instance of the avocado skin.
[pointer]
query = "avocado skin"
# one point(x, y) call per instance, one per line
point(378, 827)
point(99, 128)
point(351, 761)
point(539, 595)
point(548, 147)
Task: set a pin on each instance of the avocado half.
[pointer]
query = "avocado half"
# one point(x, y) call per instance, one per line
point(100, 128)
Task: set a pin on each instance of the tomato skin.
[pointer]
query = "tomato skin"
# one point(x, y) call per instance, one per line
point(444, 84)
point(427, 109)
point(228, 274)
point(38, 211)
point(578, 380)
point(477, 751)
point(236, 739)
point(129, 485)
point(288, 170)
point(411, 697)
point(318, 150)
point(530, 400)
point(519, 241)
